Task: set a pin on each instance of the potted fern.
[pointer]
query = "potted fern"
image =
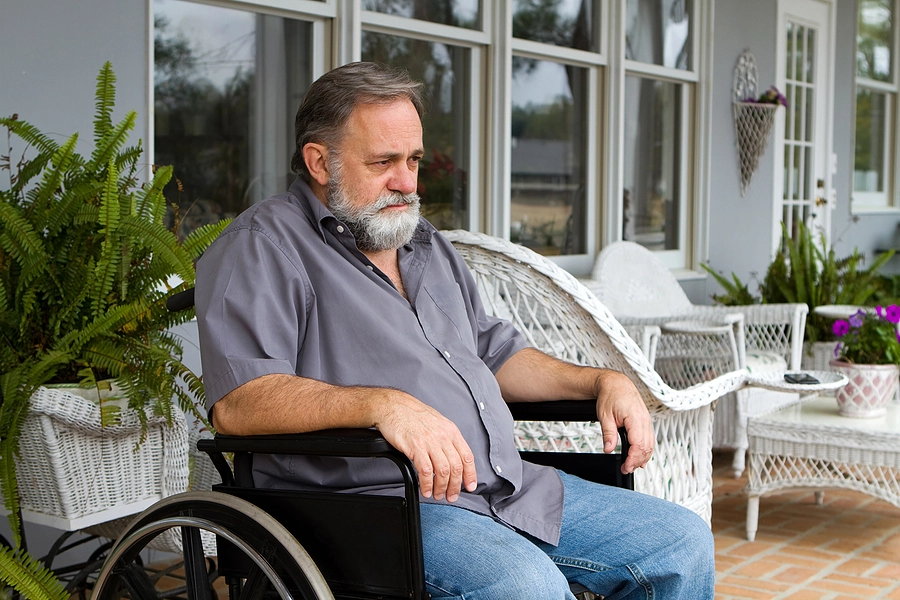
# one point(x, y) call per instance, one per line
point(809, 272)
point(86, 264)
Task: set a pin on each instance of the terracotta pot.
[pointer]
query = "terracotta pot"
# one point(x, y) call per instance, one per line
point(870, 389)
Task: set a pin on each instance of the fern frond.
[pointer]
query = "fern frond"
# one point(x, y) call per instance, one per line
point(150, 204)
point(30, 134)
point(20, 240)
point(163, 243)
point(200, 239)
point(105, 100)
point(29, 576)
point(108, 146)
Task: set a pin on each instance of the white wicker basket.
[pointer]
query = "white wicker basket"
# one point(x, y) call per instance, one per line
point(73, 473)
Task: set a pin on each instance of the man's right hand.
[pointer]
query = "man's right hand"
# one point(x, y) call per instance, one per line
point(442, 458)
point(290, 404)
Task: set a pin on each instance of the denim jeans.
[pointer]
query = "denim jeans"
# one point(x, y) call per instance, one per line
point(616, 543)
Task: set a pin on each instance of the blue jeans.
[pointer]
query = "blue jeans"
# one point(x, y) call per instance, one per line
point(616, 543)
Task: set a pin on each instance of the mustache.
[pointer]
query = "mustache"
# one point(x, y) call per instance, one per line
point(395, 199)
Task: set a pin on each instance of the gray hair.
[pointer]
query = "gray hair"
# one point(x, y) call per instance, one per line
point(330, 100)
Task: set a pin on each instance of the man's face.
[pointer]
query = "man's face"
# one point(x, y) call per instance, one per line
point(372, 179)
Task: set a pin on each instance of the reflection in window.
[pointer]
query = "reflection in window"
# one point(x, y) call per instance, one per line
point(658, 32)
point(871, 128)
point(652, 195)
point(548, 173)
point(566, 23)
point(461, 13)
point(226, 86)
point(443, 183)
point(874, 39)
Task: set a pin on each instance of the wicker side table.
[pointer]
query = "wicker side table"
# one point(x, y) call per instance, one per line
point(810, 445)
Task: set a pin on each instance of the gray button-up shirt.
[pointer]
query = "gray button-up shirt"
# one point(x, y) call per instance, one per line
point(285, 290)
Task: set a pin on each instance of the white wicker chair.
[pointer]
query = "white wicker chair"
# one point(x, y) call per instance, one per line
point(561, 317)
point(700, 341)
point(75, 474)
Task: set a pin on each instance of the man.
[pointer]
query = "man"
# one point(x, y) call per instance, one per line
point(336, 305)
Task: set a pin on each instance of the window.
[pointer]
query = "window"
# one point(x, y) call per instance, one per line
point(226, 85)
point(657, 118)
point(874, 184)
point(443, 171)
point(560, 124)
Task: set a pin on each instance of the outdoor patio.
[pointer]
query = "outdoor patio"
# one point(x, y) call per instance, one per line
point(847, 548)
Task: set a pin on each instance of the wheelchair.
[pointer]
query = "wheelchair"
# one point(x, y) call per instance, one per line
point(290, 544)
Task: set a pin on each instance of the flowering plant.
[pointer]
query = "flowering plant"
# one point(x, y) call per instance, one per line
point(770, 96)
point(869, 338)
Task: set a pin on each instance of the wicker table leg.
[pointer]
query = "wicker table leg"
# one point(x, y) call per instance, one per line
point(752, 517)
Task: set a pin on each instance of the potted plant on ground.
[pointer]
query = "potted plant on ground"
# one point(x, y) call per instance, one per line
point(86, 264)
point(868, 353)
point(809, 272)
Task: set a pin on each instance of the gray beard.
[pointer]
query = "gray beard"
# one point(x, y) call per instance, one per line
point(374, 231)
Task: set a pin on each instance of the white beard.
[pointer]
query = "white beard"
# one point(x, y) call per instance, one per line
point(373, 229)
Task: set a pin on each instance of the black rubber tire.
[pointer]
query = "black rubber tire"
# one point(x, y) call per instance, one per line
point(269, 545)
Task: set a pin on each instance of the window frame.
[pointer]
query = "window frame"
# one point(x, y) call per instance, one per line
point(889, 200)
point(337, 31)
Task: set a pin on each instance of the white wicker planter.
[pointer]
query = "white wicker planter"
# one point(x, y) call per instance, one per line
point(817, 356)
point(73, 473)
point(869, 390)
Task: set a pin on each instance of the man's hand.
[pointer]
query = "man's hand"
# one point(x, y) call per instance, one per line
point(619, 404)
point(433, 443)
point(532, 376)
point(291, 404)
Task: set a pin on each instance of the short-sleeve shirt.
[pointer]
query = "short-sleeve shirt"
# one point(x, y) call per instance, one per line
point(285, 290)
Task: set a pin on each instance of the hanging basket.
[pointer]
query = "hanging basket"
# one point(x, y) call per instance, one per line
point(752, 125)
point(752, 120)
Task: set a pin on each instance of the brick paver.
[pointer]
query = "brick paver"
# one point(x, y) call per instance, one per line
point(847, 548)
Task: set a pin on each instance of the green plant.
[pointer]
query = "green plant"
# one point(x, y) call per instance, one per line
point(85, 267)
point(803, 272)
point(869, 338)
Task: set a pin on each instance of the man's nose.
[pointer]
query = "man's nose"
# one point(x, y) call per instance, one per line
point(404, 179)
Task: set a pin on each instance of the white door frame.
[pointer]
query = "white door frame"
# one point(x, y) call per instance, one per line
point(819, 15)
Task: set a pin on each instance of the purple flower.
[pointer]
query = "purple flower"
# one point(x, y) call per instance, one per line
point(879, 310)
point(840, 327)
point(893, 313)
point(897, 334)
point(856, 320)
point(837, 349)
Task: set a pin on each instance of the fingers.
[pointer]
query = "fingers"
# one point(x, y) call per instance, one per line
point(445, 473)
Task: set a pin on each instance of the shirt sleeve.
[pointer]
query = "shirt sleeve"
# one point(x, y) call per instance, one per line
point(251, 304)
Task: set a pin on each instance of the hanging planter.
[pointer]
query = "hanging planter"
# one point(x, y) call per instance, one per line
point(753, 116)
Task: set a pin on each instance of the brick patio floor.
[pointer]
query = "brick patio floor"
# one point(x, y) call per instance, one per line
point(847, 548)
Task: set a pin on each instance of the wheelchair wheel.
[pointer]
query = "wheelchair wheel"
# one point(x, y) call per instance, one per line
point(281, 568)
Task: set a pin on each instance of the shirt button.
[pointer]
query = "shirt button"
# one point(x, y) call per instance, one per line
point(481, 404)
point(340, 229)
point(498, 469)
point(371, 268)
point(447, 354)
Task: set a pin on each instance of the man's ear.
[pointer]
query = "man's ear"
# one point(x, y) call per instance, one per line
point(316, 158)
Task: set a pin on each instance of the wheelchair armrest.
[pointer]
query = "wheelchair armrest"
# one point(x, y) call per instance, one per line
point(329, 442)
point(559, 410)
point(570, 410)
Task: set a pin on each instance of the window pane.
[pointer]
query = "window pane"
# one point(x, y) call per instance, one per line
point(461, 13)
point(658, 32)
point(873, 39)
point(226, 86)
point(569, 23)
point(549, 114)
point(871, 126)
point(443, 181)
point(652, 195)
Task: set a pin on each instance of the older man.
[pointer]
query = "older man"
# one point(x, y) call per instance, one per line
point(336, 305)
